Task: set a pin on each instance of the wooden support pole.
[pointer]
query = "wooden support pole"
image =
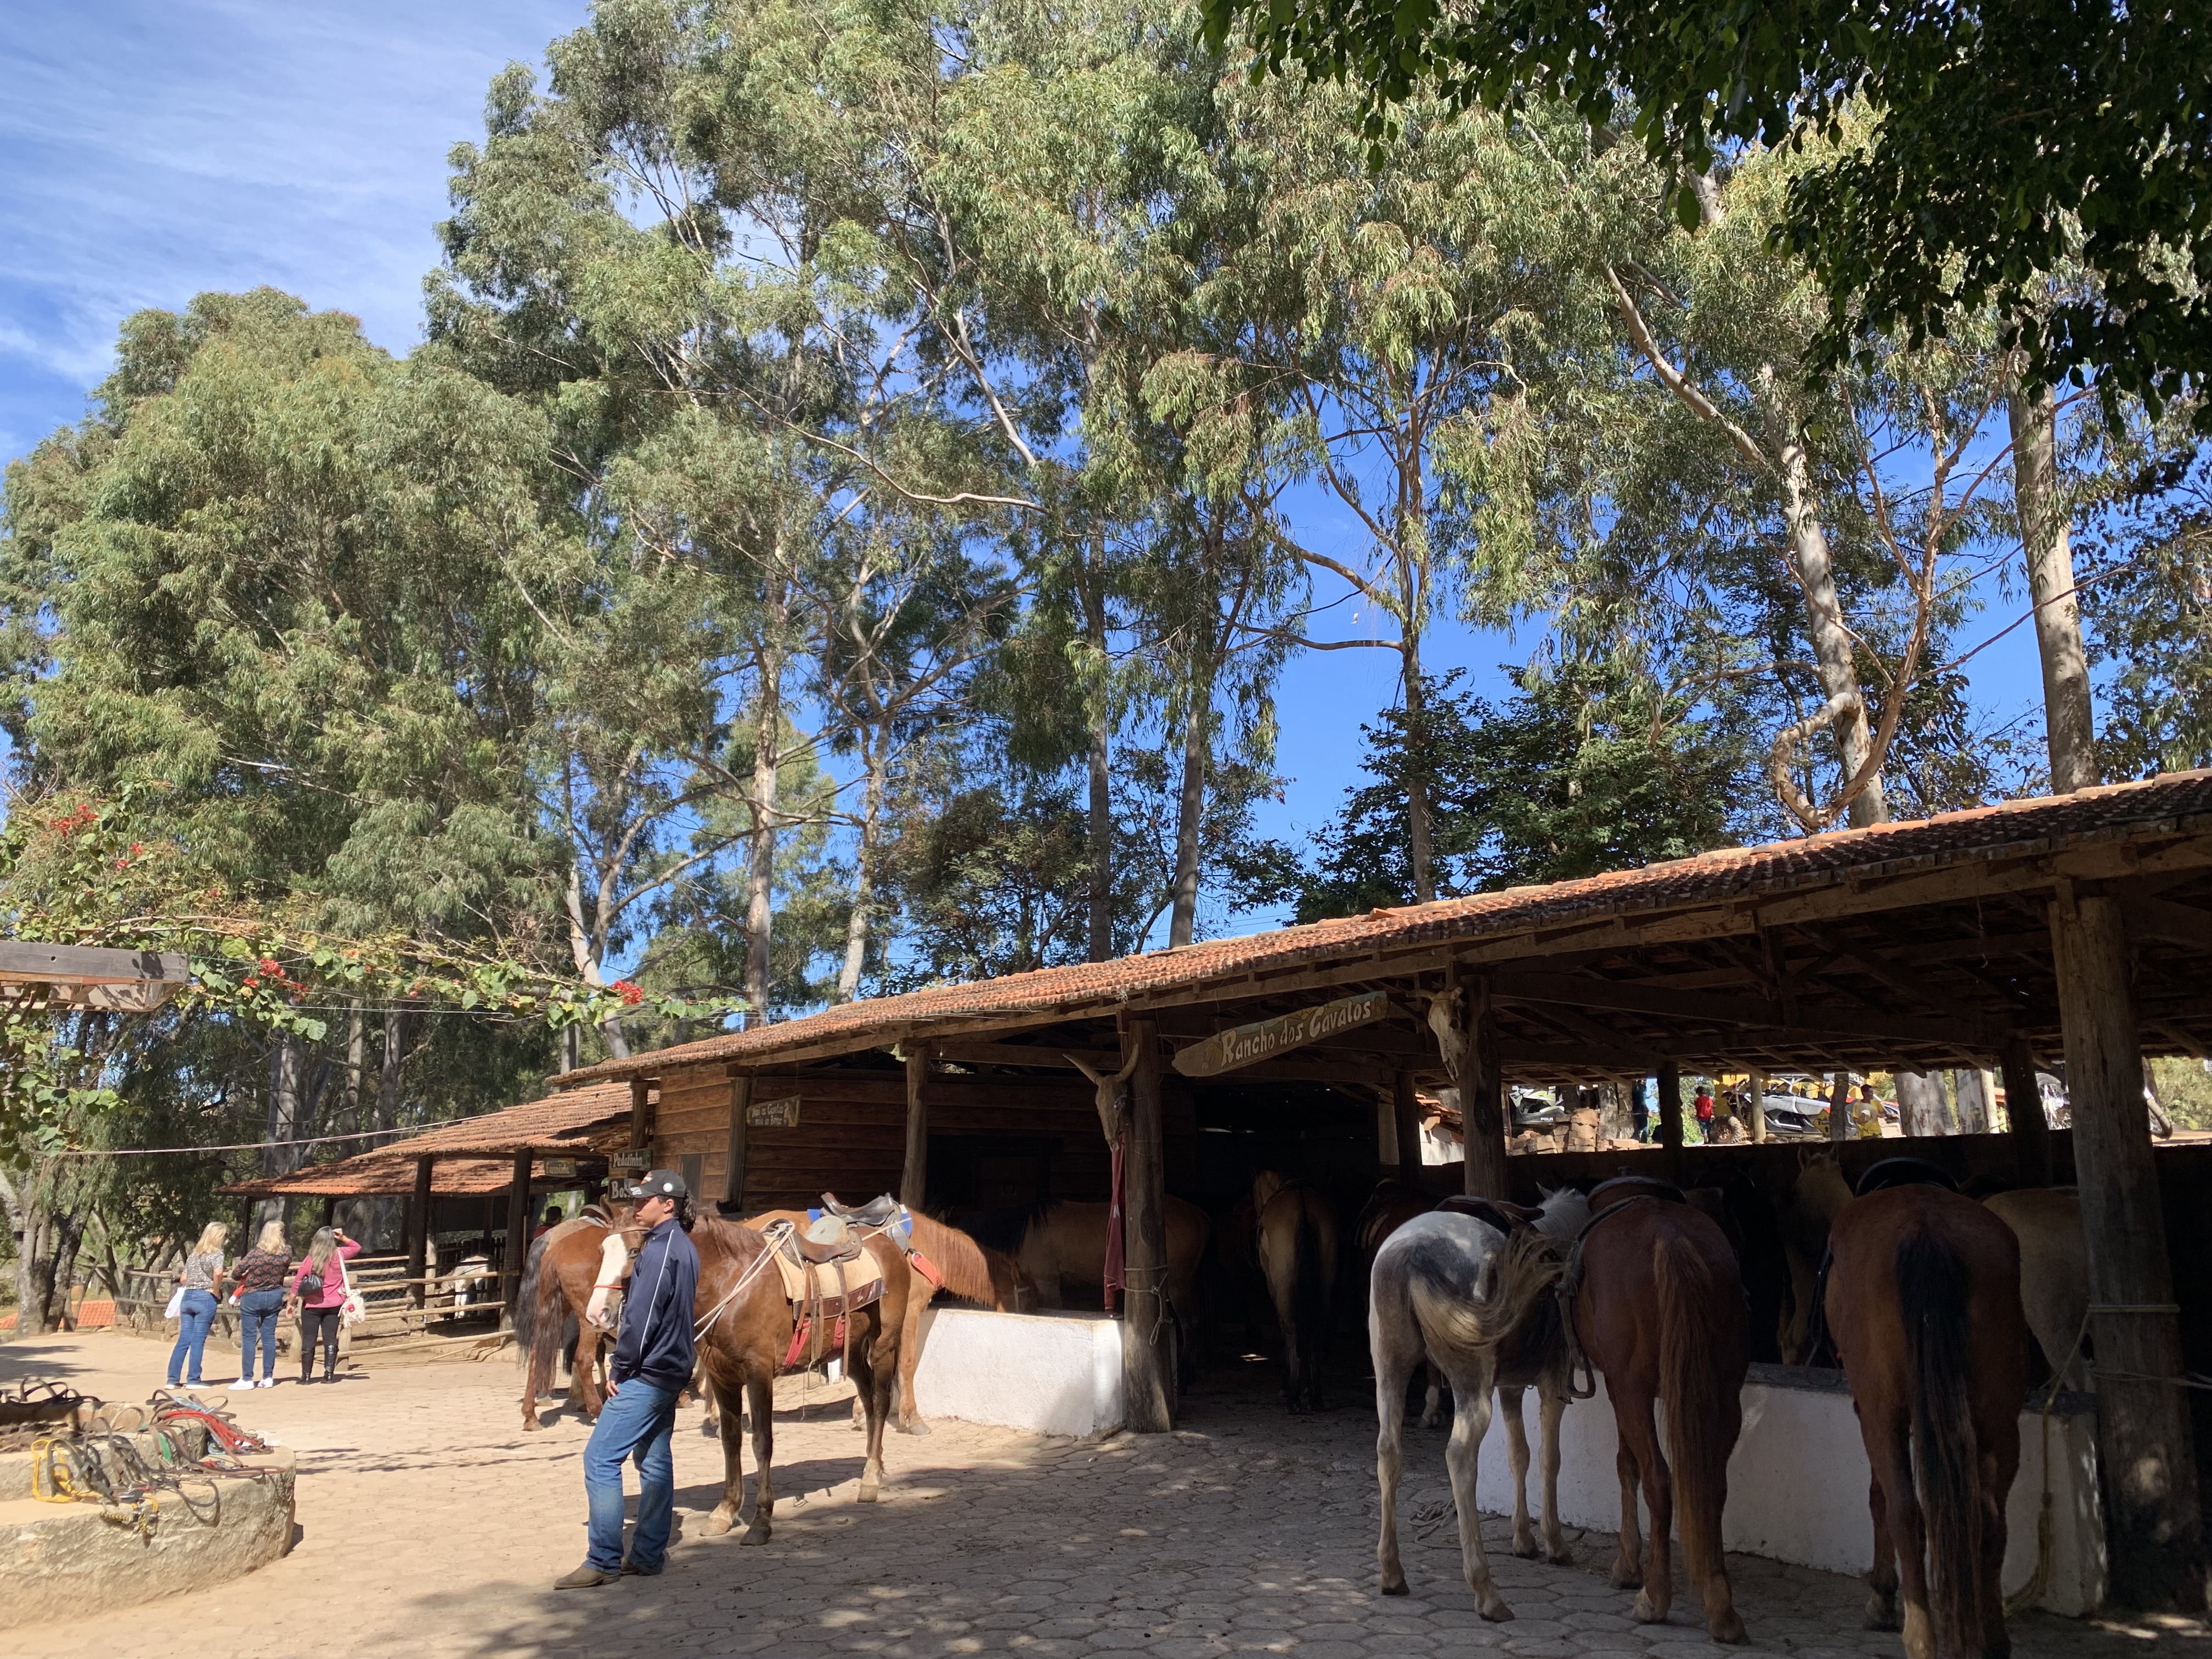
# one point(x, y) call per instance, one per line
point(1406, 1114)
point(418, 1231)
point(914, 1180)
point(1670, 1112)
point(734, 1177)
point(1839, 1106)
point(2029, 1129)
point(2156, 1544)
point(1481, 1097)
point(1757, 1115)
point(640, 1114)
point(518, 1237)
point(1148, 1339)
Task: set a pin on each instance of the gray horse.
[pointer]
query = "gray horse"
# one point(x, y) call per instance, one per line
point(1453, 1290)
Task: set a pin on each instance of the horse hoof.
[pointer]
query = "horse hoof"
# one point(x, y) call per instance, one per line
point(915, 1427)
point(1560, 1556)
point(1728, 1627)
point(754, 1534)
point(716, 1524)
point(1495, 1610)
point(1396, 1586)
point(531, 1426)
point(870, 1495)
point(1644, 1614)
point(1525, 1548)
point(1626, 1577)
point(1882, 1614)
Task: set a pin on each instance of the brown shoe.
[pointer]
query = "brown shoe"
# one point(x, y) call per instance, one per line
point(583, 1577)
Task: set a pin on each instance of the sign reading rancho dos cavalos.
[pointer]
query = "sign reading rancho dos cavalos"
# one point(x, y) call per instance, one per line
point(1248, 1045)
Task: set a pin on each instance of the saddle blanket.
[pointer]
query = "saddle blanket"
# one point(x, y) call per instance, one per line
point(838, 1287)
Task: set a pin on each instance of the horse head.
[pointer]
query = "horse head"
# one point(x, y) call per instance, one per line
point(1012, 1289)
point(1564, 1213)
point(1113, 1095)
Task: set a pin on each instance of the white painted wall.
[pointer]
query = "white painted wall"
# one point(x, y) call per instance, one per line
point(1797, 1487)
point(1051, 1373)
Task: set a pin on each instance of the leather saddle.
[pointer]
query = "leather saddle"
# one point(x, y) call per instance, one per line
point(879, 1211)
point(1620, 1188)
point(1903, 1172)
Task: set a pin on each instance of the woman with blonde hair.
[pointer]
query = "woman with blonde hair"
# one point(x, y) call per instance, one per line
point(319, 1286)
point(260, 1297)
point(201, 1277)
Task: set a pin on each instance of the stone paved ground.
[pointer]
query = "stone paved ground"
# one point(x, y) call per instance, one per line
point(430, 1525)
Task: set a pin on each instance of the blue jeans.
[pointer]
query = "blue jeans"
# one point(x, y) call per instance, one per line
point(637, 1422)
point(256, 1322)
point(195, 1319)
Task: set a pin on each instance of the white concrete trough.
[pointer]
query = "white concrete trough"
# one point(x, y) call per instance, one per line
point(1797, 1484)
point(1051, 1373)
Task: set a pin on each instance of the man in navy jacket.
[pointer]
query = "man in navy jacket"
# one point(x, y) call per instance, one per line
point(653, 1359)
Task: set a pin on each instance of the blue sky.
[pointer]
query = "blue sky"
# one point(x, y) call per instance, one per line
point(151, 151)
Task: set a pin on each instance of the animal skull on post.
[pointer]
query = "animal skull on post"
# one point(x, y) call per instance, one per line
point(1451, 1035)
point(1112, 1096)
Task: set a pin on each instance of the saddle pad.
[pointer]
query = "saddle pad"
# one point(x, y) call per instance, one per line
point(862, 1283)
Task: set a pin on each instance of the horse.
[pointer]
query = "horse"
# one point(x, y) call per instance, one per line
point(1067, 1241)
point(1448, 1289)
point(1923, 1306)
point(1295, 1229)
point(2054, 1275)
point(557, 1279)
point(1388, 1207)
point(972, 1272)
point(1657, 1306)
point(1804, 1215)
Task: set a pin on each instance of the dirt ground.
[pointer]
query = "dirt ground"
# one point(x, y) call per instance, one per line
point(430, 1525)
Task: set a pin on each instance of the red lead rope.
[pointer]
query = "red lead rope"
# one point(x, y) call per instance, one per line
point(1114, 1236)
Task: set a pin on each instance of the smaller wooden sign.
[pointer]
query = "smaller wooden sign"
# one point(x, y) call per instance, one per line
point(562, 1167)
point(1248, 1045)
point(773, 1114)
point(630, 1163)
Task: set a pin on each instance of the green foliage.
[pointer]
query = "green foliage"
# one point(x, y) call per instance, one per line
point(1573, 777)
point(2149, 614)
point(2009, 140)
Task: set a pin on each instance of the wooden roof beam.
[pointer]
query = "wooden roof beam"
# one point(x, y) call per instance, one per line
point(1579, 991)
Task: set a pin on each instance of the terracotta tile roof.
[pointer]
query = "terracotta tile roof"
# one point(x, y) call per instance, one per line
point(475, 1155)
point(2042, 824)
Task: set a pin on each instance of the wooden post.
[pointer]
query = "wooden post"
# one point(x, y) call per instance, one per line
point(1670, 1113)
point(517, 1238)
point(2029, 1129)
point(1481, 1098)
point(2156, 1547)
point(640, 1114)
point(914, 1182)
point(330, 1209)
point(733, 1175)
point(1406, 1114)
point(1839, 1106)
point(418, 1232)
point(1757, 1115)
point(1148, 1347)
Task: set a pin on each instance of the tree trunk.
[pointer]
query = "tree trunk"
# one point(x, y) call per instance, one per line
point(1826, 628)
point(1839, 1106)
point(24, 1193)
point(2029, 1129)
point(585, 949)
point(1197, 749)
point(760, 869)
point(863, 867)
point(1420, 857)
point(1148, 1351)
point(1101, 759)
point(67, 1229)
point(1919, 1103)
point(356, 1077)
point(287, 1065)
point(1974, 1102)
point(2068, 719)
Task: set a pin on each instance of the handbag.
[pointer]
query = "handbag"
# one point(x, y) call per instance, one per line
point(352, 1310)
point(310, 1284)
point(176, 1308)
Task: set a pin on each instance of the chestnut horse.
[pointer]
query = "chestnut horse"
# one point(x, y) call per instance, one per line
point(1295, 1233)
point(1923, 1306)
point(1658, 1307)
point(557, 1284)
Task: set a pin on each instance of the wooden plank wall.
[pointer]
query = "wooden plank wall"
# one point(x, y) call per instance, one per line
point(850, 1137)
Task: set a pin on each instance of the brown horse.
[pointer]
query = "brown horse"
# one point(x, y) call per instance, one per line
point(1066, 1243)
point(971, 1271)
point(557, 1284)
point(1658, 1307)
point(1296, 1232)
point(1924, 1305)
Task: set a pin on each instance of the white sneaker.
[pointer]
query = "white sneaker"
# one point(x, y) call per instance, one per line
point(266, 1383)
point(245, 1382)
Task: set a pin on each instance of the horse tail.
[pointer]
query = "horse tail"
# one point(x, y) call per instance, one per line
point(1932, 1299)
point(538, 1322)
point(1692, 1340)
point(1522, 1272)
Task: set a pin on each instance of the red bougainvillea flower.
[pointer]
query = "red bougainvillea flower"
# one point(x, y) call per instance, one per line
point(270, 967)
point(249, 983)
point(629, 993)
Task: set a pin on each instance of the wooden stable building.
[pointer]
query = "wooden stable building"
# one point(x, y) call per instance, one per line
point(2070, 933)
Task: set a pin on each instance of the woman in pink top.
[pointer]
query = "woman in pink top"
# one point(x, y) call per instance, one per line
point(319, 1290)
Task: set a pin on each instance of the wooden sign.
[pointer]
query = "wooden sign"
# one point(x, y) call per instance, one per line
point(560, 1167)
point(1248, 1045)
point(773, 1114)
point(633, 1163)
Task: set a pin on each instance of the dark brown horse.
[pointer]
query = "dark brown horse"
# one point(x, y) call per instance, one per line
point(556, 1286)
point(1659, 1309)
point(1923, 1306)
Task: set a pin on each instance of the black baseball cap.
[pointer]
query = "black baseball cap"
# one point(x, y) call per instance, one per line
point(658, 1183)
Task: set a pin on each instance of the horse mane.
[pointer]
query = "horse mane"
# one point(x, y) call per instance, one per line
point(958, 1257)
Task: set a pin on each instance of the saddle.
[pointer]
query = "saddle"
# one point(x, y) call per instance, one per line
point(879, 1211)
point(1620, 1188)
point(1903, 1172)
point(827, 1275)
